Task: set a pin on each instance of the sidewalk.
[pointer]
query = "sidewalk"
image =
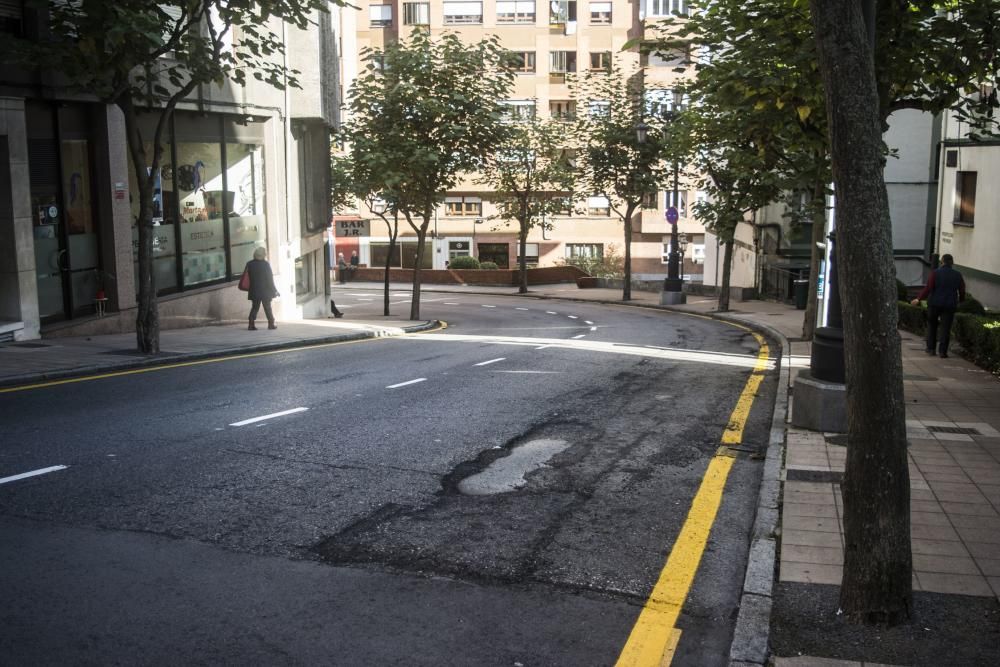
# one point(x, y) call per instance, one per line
point(953, 426)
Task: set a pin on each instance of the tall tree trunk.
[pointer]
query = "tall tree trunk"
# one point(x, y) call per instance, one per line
point(627, 287)
point(393, 234)
point(523, 245)
point(876, 585)
point(421, 236)
point(147, 319)
point(727, 270)
point(815, 254)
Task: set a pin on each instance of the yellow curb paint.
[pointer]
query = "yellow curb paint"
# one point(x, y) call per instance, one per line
point(199, 362)
point(654, 637)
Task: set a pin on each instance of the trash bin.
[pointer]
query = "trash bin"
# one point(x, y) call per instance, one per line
point(801, 293)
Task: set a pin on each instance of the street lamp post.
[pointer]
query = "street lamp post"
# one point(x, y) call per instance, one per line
point(475, 223)
point(673, 284)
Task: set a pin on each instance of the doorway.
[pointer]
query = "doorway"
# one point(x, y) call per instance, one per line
point(63, 208)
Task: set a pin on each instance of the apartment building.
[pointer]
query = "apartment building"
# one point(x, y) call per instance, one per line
point(242, 167)
point(552, 40)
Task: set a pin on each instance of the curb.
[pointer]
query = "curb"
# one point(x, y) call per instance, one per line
point(152, 362)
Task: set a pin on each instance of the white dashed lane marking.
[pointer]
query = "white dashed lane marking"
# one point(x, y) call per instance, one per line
point(488, 306)
point(403, 384)
point(573, 317)
point(580, 336)
point(254, 420)
point(33, 473)
point(551, 312)
point(491, 361)
point(520, 309)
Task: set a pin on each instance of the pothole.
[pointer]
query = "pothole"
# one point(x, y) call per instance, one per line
point(507, 474)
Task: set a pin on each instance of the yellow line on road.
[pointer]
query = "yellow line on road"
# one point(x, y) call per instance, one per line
point(197, 362)
point(654, 637)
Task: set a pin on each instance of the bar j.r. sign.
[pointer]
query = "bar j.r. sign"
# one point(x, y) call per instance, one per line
point(353, 228)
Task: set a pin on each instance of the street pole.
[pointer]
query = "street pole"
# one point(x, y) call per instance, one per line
point(673, 284)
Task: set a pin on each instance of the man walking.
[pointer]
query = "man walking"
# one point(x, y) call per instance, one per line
point(945, 289)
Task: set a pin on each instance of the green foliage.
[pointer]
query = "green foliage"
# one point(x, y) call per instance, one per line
point(971, 306)
point(488, 265)
point(610, 265)
point(464, 262)
point(980, 339)
point(901, 292)
point(912, 318)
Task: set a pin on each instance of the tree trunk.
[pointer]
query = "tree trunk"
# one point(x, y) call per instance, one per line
point(727, 269)
point(523, 264)
point(815, 254)
point(876, 585)
point(627, 287)
point(393, 234)
point(147, 319)
point(421, 235)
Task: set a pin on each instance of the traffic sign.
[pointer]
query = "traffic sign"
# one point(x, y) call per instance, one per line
point(672, 215)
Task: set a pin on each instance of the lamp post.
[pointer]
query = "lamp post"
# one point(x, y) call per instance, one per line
point(475, 223)
point(673, 284)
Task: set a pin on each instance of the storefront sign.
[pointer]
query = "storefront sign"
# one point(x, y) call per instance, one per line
point(353, 228)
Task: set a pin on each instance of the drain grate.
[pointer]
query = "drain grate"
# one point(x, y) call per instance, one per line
point(958, 430)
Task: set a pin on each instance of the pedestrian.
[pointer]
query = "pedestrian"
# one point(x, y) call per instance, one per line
point(354, 262)
point(261, 289)
point(341, 268)
point(944, 291)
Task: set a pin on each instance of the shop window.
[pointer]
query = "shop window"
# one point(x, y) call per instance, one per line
point(305, 283)
point(517, 11)
point(245, 181)
point(463, 13)
point(600, 13)
point(965, 198)
point(498, 253)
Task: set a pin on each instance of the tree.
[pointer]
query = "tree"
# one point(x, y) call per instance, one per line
point(136, 53)
point(613, 163)
point(758, 100)
point(876, 587)
point(530, 175)
point(430, 111)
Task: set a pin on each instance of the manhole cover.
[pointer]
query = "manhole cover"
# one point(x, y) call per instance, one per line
point(957, 430)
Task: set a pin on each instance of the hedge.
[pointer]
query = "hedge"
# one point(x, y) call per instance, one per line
point(979, 335)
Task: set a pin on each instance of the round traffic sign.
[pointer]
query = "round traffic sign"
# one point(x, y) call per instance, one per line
point(672, 215)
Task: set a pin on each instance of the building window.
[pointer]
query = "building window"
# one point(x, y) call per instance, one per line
point(666, 7)
point(588, 250)
point(416, 13)
point(600, 13)
point(463, 13)
point(523, 62)
point(649, 201)
point(965, 197)
point(661, 102)
point(466, 206)
point(682, 197)
point(598, 108)
point(562, 11)
point(530, 254)
point(380, 16)
point(598, 206)
point(305, 277)
point(518, 11)
point(563, 206)
point(600, 60)
point(562, 109)
point(561, 62)
point(518, 109)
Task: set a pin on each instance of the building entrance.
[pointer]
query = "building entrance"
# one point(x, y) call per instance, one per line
point(64, 221)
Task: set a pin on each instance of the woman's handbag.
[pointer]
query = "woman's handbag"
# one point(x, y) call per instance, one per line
point(245, 281)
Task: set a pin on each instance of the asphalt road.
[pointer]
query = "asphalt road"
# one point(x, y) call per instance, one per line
point(186, 529)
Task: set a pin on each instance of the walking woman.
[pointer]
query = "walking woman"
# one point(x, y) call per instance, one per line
point(262, 288)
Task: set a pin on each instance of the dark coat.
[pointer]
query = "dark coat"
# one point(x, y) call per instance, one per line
point(261, 281)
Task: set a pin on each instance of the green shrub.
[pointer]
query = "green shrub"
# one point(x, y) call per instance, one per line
point(901, 292)
point(464, 262)
point(912, 318)
point(488, 265)
point(980, 338)
point(971, 306)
